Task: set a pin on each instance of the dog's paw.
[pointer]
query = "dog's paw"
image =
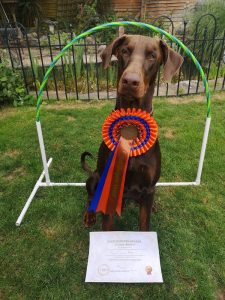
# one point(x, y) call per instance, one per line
point(89, 218)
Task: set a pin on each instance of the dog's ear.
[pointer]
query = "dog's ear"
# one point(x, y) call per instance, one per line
point(172, 61)
point(110, 50)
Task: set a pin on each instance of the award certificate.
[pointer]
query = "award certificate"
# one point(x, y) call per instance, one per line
point(123, 256)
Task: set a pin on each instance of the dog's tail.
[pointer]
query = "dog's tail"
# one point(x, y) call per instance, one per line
point(84, 165)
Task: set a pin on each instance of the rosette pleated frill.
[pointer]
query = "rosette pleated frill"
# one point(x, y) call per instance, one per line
point(126, 133)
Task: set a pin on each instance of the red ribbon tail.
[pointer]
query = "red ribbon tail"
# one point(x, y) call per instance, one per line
point(114, 203)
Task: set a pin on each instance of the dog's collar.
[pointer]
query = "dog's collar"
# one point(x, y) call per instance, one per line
point(151, 112)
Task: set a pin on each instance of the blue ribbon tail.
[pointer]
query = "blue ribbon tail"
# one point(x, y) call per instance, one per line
point(97, 195)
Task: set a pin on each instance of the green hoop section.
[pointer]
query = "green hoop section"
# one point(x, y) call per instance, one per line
point(116, 24)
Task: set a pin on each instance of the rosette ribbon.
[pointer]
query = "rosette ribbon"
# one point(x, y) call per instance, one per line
point(126, 133)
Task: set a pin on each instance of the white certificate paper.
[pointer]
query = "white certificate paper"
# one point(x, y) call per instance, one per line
point(123, 256)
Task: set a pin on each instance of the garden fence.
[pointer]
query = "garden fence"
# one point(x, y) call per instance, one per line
point(79, 74)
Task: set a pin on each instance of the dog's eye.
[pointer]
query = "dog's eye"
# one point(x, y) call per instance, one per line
point(150, 55)
point(124, 51)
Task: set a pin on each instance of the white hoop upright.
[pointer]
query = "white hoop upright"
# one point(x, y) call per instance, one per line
point(48, 183)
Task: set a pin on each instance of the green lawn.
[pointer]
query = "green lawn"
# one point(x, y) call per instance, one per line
point(46, 257)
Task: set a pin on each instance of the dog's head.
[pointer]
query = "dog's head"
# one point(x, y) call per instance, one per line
point(139, 59)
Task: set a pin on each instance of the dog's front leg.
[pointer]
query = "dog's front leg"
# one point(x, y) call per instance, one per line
point(107, 222)
point(89, 218)
point(145, 212)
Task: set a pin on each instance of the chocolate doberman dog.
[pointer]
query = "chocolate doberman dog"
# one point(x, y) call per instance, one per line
point(139, 59)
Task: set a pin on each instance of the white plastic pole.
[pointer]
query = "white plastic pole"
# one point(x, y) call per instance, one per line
point(63, 184)
point(175, 183)
point(202, 154)
point(43, 153)
point(44, 184)
point(29, 200)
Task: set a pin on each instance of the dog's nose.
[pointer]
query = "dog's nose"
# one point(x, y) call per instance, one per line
point(131, 80)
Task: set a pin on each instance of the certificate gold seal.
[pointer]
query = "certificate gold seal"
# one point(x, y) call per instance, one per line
point(148, 270)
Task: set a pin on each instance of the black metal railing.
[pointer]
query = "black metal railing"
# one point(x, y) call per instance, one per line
point(79, 74)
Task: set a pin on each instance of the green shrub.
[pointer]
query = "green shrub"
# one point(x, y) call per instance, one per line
point(12, 90)
point(207, 25)
point(216, 8)
point(28, 11)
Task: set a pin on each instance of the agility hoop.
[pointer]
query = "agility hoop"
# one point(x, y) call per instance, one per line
point(47, 163)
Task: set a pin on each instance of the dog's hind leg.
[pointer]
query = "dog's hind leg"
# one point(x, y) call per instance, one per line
point(145, 212)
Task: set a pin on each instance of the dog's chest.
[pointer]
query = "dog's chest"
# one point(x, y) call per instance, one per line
point(138, 171)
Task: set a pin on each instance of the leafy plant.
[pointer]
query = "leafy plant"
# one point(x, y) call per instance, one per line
point(38, 77)
point(12, 90)
point(90, 13)
point(28, 11)
point(202, 17)
point(68, 64)
point(216, 8)
point(214, 70)
point(79, 51)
